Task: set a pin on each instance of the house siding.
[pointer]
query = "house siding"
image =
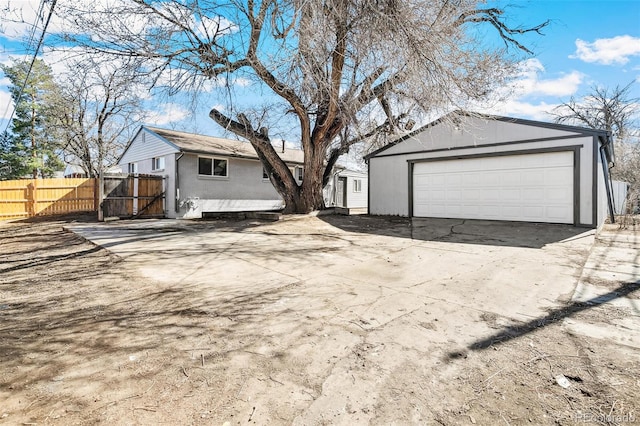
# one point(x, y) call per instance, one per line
point(145, 146)
point(389, 172)
point(354, 199)
point(244, 181)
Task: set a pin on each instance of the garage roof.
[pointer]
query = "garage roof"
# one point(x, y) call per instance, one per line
point(603, 135)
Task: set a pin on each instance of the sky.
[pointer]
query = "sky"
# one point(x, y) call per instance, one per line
point(587, 43)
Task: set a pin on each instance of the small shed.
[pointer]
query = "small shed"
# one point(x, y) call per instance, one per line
point(347, 189)
point(495, 168)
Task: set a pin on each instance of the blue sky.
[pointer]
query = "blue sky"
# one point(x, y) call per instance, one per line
point(588, 42)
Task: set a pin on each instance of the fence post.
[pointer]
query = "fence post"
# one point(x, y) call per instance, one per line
point(30, 197)
point(96, 194)
point(136, 183)
point(100, 199)
point(35, 197)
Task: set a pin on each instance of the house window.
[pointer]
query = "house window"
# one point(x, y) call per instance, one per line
point(208, 166)
point(133, 168)
point(157, 163)
point(300, 173)
point(357, 185)
point(265, 175)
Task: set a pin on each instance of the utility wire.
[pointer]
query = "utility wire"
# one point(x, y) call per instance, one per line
point(39, 19)
point(33, 60)
point(30, 42)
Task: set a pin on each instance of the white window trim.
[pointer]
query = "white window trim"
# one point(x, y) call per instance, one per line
point(132, 167)
point(212, 176)
point(153, 164)
point(357, 185)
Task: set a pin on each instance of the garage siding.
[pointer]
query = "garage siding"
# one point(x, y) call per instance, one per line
point(389, 174)
point(531, 188)
point(388, 186)
point(474, 132)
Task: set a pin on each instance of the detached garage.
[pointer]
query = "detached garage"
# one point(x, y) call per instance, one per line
point(494, 168)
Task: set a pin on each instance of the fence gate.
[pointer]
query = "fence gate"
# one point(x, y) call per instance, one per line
point(132, 196)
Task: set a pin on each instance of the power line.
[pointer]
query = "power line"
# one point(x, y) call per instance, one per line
point(39, 18)
point(33, 60)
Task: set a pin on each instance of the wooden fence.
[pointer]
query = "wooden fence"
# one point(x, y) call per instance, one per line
point(124, 196)
point(26, 198)
point(132, 196)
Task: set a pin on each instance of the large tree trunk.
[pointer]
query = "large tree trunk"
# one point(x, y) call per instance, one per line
point(307, 196)
point(303, 198)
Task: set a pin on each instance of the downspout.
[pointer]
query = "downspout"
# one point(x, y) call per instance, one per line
point(606, 169)
point(177, 183)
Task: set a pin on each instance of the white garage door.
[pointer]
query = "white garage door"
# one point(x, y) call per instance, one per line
point(530, 188)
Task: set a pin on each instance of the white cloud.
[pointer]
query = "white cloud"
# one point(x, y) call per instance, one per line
point(608, 51)
point(530, 83)
point(209, 85)
point(517, 108)
point(209, 27)
point(166, 114)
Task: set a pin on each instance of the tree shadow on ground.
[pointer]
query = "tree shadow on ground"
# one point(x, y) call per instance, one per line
point(74, 312)
point(554, 316)
point(462, 231)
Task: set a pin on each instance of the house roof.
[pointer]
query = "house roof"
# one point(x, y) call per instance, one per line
point(584, 130)
point(200, 144)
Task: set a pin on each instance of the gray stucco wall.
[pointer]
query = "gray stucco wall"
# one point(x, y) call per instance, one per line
point(244, 181)
point(389, 172)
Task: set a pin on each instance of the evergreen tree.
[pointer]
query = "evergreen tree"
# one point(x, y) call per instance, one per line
point(30, 148)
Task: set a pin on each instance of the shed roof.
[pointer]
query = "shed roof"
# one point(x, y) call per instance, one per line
point(201, 144)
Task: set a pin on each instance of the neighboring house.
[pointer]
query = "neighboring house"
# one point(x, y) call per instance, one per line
point(205, 174)
point(619, 193)
point(75, 171)
point(346, 188)
point(495, 168)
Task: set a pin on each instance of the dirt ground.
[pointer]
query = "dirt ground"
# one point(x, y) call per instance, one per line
point(85, 338)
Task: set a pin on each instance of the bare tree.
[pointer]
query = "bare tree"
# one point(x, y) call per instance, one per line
point(344, 70)
point(616, 111)
point(95, 113)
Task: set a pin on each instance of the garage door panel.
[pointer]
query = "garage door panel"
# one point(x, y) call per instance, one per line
point(531, 187)
point(557, 195)
point(558, 212)
point(533, 196)
point(531, 213)
point(454, 195)
point(510, 195)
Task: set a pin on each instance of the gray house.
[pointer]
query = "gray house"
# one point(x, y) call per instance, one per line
point(205, 174)
point(495, 168)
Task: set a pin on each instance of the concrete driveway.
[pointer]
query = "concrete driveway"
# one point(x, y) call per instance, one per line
point(353, 304)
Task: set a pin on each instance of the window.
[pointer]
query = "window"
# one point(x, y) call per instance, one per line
point(357, 185)
point(265, 175)
point(208, 166)
point(300, 173)
point(133, 168)
point(157, 163)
